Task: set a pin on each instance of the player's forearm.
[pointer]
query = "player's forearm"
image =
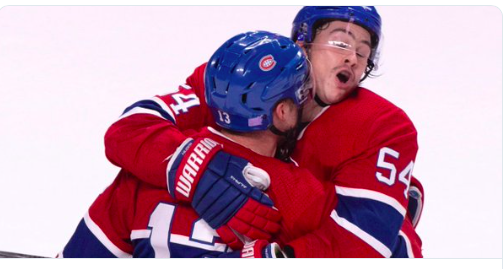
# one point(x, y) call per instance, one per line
point(141, 144)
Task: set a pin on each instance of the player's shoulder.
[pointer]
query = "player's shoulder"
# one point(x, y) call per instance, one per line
point(383, 113)
point(369, 103)
point(201, 68)
point(232, 147)
point(360, 119)
point(364, 108)
point(196, 79)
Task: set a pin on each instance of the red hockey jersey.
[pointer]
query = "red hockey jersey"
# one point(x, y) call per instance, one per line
point(366, 148)
point(133, 218)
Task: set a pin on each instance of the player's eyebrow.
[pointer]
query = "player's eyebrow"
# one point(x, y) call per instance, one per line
point(335, 30)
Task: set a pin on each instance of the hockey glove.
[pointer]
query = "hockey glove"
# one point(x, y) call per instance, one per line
point(216, 185)
point(262, 249)
point(230, 238)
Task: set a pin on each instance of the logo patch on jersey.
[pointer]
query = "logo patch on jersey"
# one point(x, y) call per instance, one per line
point(267, 63)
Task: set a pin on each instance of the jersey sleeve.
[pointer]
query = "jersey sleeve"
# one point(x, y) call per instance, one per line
point(333, 240)
point(372, 188)
point(303, 201)
point(104, 231)
point(148, 132)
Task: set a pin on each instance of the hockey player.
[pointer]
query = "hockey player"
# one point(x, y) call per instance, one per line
point(358, 141)
point(364, 144)
point(134, 219)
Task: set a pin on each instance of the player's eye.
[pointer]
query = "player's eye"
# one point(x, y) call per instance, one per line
point(363, 53)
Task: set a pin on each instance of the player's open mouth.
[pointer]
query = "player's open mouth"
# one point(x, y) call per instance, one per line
point(343, 76)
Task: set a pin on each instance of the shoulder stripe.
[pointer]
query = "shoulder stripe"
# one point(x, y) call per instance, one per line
point(140, 110)
point(373, 242)
point(98, 233)
point(373, 195)
point(154, 106)
point(163, 105)
point(185, 86)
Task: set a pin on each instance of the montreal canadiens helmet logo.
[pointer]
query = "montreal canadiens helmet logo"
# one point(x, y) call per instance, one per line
point(267, 63)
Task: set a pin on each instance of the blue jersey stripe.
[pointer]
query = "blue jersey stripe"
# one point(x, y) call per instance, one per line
point(152, 105)
point(183, 251)
point(143, 248)
point(377, 219)
point(84, 244)
point(400, 249)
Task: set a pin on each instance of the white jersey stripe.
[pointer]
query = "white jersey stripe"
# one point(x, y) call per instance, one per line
point(140, 110)
point(100, 235)
point(185, 86)
point(370, 240)
point(409, 249)
point(140, 234)
point(163, 105)
point(373, 195)
point(186, 241)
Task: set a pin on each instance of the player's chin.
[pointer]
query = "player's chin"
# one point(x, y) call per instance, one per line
point(337, 95)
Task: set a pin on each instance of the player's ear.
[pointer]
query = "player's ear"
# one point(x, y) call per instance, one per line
point(281, 110)
point(284, 114)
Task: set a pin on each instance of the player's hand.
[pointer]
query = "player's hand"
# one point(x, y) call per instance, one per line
point(230, 238)
point(216, 185)
point(262, 249)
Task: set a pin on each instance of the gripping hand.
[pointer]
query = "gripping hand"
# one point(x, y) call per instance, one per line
point(220, 187)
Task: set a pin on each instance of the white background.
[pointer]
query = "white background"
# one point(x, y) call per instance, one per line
point(66, 73)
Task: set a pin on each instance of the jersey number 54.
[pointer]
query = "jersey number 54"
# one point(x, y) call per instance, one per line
point(404, 175)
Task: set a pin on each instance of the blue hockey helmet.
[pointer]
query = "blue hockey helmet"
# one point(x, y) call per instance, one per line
point(364, 16)
point(249, 74)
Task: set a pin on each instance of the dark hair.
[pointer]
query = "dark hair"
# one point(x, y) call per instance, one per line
point(319, 26)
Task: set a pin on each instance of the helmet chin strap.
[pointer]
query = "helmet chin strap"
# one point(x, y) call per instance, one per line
point(319, 101)
point(277, 131)
point(288, 143)
point(369, 68)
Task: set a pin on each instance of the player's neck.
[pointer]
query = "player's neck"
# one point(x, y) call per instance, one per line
point(263, 143)
point(310, 111)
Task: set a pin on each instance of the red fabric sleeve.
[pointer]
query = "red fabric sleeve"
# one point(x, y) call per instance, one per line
point(150, 130)
point(366, 147)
